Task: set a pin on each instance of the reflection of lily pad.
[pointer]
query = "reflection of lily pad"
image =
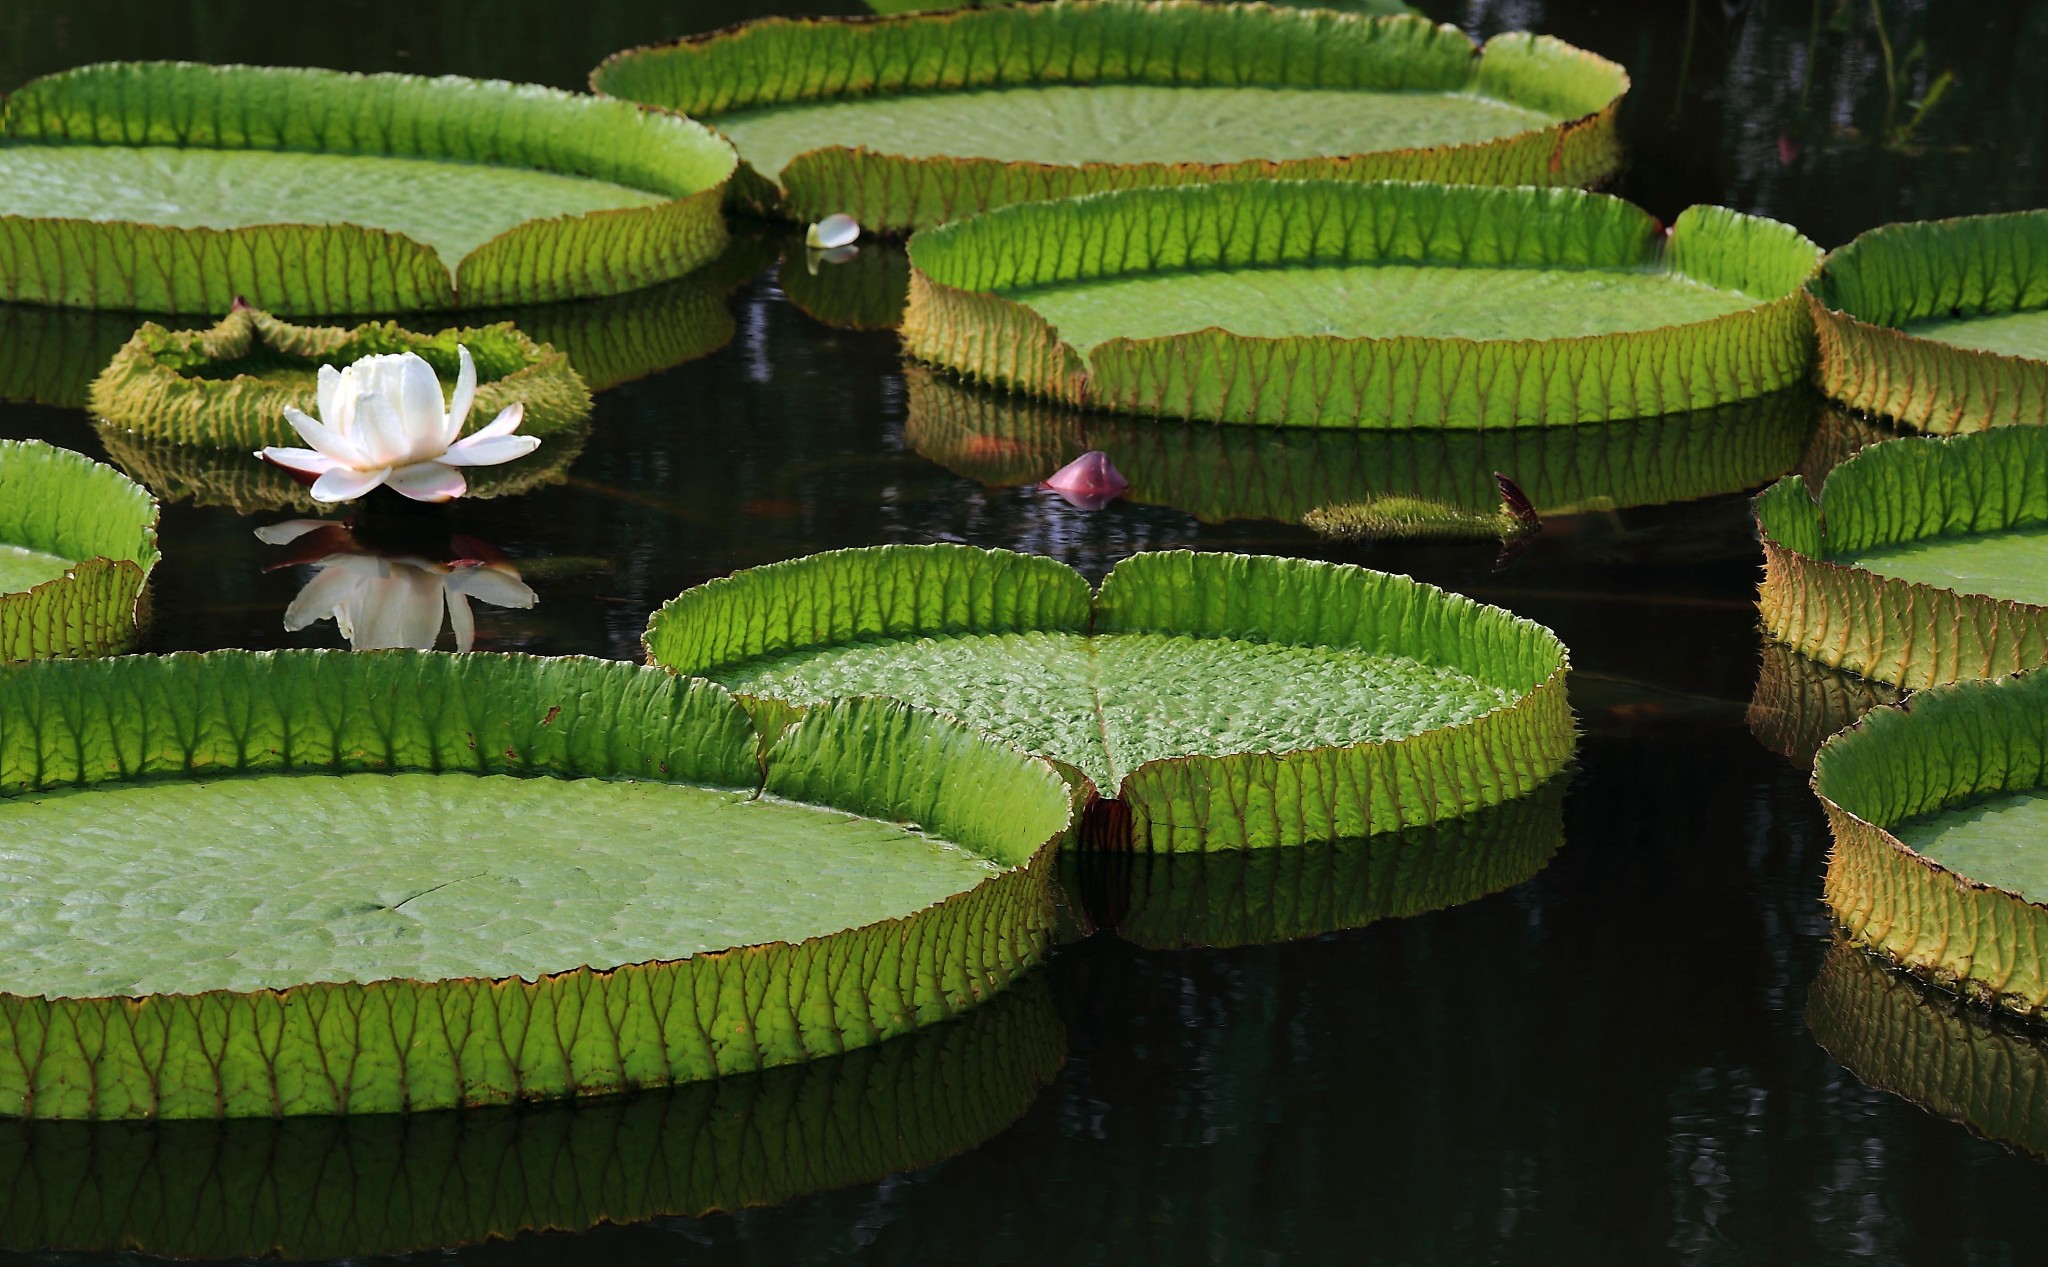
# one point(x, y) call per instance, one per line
point(1925, 560)
point(1940, 813)
point(583, 882)
point(1800, 703)
point(327, 1187)
point(865, 292)
point(1941, 325)
point(1221, 473)
point(1365, 305)
point(1987, 1073)
point(911, 121)
point(49, 356)
point(237, 480)
point(77, 544)
point(228, 387)
point(1226, 700)
point(1243, 897)
point(173, 187)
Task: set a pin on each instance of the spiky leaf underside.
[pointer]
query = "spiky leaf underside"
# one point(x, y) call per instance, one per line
point(1941, 325)
point(76, 737)
point(1224, 473)
point(81, 538)
point(911, 121)
point(1327, 304)
point(1799, 703)
point(1914, 566)
point(1227, 700)
point(438, 193)
point(1944, 768)
point(228, 387)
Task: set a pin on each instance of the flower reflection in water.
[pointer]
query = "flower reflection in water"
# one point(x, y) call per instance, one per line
point(392, 597)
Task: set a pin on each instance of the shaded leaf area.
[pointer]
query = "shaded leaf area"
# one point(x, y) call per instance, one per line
point(350, 193)
point(1938, 324)
point(104, 729)
point(1224, 473)
point(1227, 700)
point(236, 479)
point(911, 121)
point(1220, 325)
point(228, 387)
point(1800, 703)
point(317, 1188)
point(866, 292)
point(1954, 751)
point(77, 545)
point(49, 356)
point(1999, 840)
point(1940, 1053)
point(1248, 897)
point(1918, 563)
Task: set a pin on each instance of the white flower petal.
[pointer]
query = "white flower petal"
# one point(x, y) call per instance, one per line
point(346, 484)
point(329, 394)
point(420, 404)
point(504, 424)
point(429, 482)
point(465, 396)
point(500, 587)
point(460, 621)
point(833, 230)
point(483, 450)
point(305, 460)
point(282, 534)
point(403, 610)
point(327, 594)
point(381, 434)
point(326, 439)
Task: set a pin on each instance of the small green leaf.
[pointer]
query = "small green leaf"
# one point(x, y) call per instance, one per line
point(77, 545)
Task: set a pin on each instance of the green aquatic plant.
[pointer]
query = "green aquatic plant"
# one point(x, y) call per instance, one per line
point(1941, 325)
point(1935, 808)
point(582, 887)
point(77, 545)
point(1333, 304)
point(1223, 701)
point(910, 121)
point(176, 188)
point(1925, 559)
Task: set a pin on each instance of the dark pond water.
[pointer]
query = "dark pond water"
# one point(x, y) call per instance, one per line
point(1610, 1061)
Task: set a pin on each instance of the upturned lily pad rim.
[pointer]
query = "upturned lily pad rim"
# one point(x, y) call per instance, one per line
point(95, 606)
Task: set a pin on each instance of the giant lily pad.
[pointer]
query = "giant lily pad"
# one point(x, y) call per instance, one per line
point(228, 387)
point(350, 1187)
point(1941, 325)
point(171, 187)
point(1951, 1059)
point(1322, 303)
point(323, 883)
point(1940, 810)
point(1224, 700)
point(1925, 560)
point(1800, 704)
point(1293, 474)
point(1248, 897)
point(77, 545)
point(911, 121)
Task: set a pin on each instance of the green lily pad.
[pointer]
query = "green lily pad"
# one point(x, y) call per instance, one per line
point(1254, 897)
point(1367, 305)
point(177, 188)
point(77, 545)
point(1921, 563)
point(1444, 478)
point(1941, 325)
point(1225, 700)
point(323, 914)
point(228, 387)
point(1800, 704)
point(1938, 809)
point(351, 1187)
point(910, 121)
point(234, 478)
point(1952, 1060)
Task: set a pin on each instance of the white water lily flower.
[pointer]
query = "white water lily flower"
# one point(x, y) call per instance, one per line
point(833, 231)
point(383, 421)
point(393, 600)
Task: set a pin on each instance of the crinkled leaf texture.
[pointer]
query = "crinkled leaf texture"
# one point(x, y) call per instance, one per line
point(1909, 633)
point(1224, 473)
point(1041, 655)
point(1952, 1060)
point(334, 1187)
point(318, 269)
point(791, 63)
point(1800, 703)
point(1947, 746)
point(228, 387)
point(61, 503)
point(961, 314)
point(396, 1045)
point(1870, 293)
